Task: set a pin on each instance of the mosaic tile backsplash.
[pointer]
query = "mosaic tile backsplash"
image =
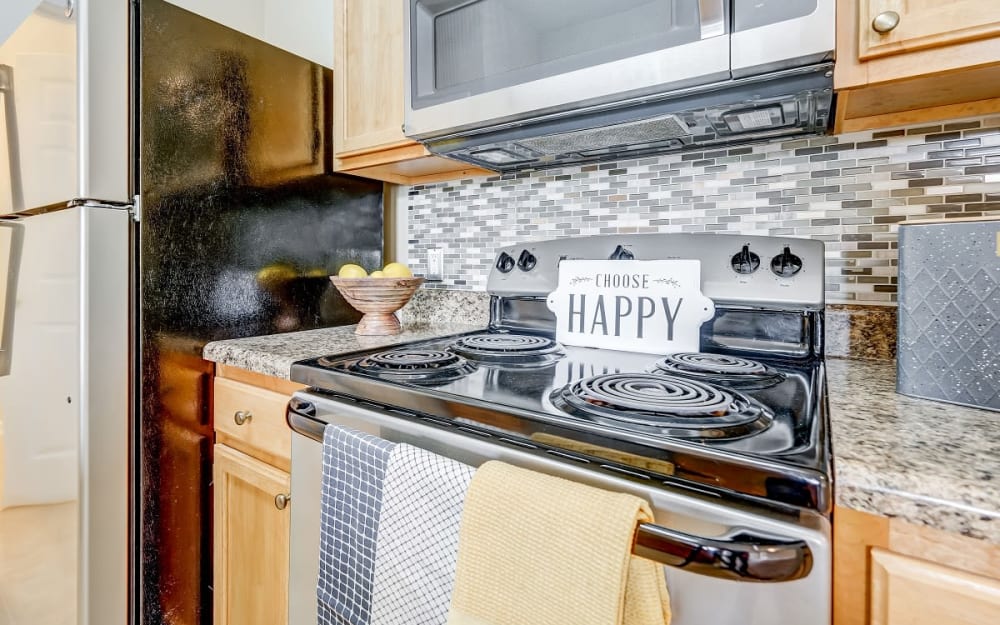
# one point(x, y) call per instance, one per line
point(850, 191)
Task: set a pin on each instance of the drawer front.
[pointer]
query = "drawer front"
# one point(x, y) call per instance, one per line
point(252, 420)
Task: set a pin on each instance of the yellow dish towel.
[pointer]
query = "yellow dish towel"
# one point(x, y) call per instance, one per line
point(540, 550)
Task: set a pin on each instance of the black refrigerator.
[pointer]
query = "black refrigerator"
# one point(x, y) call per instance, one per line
point(242, 221)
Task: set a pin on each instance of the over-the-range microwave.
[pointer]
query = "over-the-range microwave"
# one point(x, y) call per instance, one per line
point(510, 84)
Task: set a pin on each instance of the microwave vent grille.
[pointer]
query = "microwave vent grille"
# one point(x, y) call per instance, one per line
point(651, 130)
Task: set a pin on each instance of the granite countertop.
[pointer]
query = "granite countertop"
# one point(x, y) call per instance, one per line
point(927, 462)
point(273, 354)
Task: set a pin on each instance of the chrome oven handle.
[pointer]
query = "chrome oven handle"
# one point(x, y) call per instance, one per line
point(744, 557)
point(13, 262)
point(712, 16)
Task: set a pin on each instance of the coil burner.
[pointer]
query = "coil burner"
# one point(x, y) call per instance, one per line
point(423, 367)
point(719, 369)
point(508, 349)
point(665, 404)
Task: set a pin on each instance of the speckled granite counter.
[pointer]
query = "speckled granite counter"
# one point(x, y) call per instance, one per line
point(274, 354)
point(926, 462)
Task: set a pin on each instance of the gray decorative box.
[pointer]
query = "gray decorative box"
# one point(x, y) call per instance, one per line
point(949, 312)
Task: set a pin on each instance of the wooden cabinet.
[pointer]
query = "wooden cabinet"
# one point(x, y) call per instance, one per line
point(941, 60)
point(923, 24)
point(889, 572)
point(251, 540)
point(252, 502)
point(908, 591)
point(368, 84)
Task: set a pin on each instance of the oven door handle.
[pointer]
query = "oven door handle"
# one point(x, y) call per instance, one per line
point(744, 556)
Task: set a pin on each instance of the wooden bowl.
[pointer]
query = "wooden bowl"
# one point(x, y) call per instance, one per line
point(378, 299)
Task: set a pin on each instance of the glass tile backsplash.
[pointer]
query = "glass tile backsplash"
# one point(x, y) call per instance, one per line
point(851, 191)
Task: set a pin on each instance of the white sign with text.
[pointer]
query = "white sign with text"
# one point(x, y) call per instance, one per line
point(650, 306)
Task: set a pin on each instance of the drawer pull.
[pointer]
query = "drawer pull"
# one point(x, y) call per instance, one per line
point(242, 416)
point(885, 21)
point(281, 500)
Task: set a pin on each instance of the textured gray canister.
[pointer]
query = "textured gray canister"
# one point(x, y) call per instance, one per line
point(949, 312)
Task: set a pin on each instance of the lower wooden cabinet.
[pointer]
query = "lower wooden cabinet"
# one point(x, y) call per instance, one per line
point(252, 502)
point(252, 513)
point(890, 572)
point(908, 591)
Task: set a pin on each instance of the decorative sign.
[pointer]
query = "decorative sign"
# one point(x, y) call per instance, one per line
point(651, 306)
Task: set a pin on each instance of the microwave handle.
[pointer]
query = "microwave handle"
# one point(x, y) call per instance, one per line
point(712, 18)
point(13, 258)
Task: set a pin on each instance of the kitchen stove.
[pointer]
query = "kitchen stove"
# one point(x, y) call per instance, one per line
point(740, 427)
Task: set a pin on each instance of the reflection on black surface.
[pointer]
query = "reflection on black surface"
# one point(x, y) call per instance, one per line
point(242, 223)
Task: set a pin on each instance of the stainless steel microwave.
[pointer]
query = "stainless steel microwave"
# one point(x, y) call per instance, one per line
point(516, 81)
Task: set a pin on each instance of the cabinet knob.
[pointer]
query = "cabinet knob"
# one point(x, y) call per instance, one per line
point(242, 416)
point(885, 21)
point(281, 500)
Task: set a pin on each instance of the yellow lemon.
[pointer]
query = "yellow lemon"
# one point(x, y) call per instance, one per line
point(377, 274)
point(397, 270)
point(351, 270)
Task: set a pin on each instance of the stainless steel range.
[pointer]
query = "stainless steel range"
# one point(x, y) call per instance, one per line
point(730, 444)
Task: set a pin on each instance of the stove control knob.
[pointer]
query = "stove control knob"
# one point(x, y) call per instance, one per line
point(526, 261)
point(745, 261)
point(621, 253)
point(505, 262)
point(786, 264)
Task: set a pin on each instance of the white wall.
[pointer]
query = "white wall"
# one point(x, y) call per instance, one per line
point(303, 27)
point(42, 52)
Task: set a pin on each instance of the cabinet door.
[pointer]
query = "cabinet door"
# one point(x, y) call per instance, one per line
point(368, 76)
point(251, 541)
point(925, 24)
point(908, 591)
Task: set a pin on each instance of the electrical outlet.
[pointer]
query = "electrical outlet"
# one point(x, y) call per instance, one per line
point(435, 264)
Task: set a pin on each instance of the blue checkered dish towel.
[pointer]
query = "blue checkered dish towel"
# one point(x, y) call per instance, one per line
point(389, 531)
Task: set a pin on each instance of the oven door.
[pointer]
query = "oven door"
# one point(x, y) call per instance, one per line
point(482, 62)
point(696, 598)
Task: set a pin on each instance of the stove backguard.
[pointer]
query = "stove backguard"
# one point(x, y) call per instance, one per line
point(741, 330)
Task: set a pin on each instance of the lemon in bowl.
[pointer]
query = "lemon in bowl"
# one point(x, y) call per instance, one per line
point(350, 270)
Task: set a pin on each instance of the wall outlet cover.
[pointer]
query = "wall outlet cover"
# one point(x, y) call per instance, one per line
point(435, 264)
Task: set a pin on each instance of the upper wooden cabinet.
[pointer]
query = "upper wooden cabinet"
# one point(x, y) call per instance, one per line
point(911, 25)
point(910, 61)
point(368, 84)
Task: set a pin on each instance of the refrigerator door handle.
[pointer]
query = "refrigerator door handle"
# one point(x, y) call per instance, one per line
point(10, 264)
point(132, 207)
point(11, 143)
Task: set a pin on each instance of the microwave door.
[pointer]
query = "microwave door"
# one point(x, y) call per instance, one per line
point(11, 244)
point(493, 62)
point(771, 35)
